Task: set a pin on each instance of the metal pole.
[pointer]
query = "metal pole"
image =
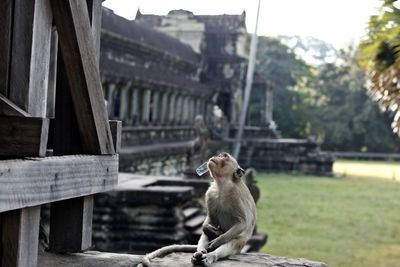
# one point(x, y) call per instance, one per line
point(249, 82)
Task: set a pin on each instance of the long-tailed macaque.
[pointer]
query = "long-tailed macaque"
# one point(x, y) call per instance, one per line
point(231, 216)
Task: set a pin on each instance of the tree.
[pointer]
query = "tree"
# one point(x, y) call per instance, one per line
point(379, 57)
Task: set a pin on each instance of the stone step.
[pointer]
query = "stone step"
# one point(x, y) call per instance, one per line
point(195, 222)
point(189, 212)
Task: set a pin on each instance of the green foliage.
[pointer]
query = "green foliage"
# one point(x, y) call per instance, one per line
point(379, 57)
point(344, 222)
point(329, 101)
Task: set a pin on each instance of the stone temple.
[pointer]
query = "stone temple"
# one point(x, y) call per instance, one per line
point(176, 82)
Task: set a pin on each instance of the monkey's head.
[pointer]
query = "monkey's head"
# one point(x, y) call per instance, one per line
point(224, 166)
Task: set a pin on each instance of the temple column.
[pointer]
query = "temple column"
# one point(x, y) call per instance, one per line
point(164, 108)
point(110, 98)
point(155, 108)
point(134, 107)
point(146, 96)
point(172, 108)
point(124, 99)
point(185, 109)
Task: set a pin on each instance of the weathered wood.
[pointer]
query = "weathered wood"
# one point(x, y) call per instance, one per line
point(51, 90)
point(71, 225)
point(239, 260)
point(76, 42)
point(20, 237)
point(88, 259)
point(36, 181)
point(116, 130)
point(21, 136)
point(8, 108)
point(6, 13)
point(67, 140)
point(30, 55)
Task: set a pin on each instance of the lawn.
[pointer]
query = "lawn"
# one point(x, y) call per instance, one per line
point(349, 222)
point(375, 169)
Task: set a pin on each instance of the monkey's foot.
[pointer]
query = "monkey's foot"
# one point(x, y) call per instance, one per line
point(202, 258)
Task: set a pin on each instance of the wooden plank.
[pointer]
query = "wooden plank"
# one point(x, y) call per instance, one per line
point(116, 130)
point(8, 108)
point(36, 181)
point(23, 136)
point(71, 228)
point(30, 55)
point(67, 140)
point(6, 13)
point(76, 42)
point(20, 237)
point(88, 259)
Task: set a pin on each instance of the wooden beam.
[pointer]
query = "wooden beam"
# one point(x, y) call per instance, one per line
point(116, 130)
point(6, 16)
point(76, 42)
point(35, 181)
point(23, 136)
point(8, 108)
point(71, 228)
point(20, 237)
point(30, 56)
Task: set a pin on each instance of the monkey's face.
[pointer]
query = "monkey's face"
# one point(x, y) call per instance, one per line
point(224, 166)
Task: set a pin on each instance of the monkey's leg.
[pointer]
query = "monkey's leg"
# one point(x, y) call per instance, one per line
point(201, 249)
point(232, 247)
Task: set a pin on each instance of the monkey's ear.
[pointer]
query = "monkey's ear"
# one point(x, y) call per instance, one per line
point(238, 173)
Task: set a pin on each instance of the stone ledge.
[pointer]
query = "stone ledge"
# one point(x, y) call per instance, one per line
point(240, 260)
point(104, 259)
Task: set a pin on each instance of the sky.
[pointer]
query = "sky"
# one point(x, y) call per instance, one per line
point(338, 22)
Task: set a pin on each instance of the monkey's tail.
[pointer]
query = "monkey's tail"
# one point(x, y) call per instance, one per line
point(166, 250)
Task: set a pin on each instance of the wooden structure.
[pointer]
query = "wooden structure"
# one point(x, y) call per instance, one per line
point(41, 115)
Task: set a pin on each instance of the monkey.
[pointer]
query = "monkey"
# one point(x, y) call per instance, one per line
point(230, 220)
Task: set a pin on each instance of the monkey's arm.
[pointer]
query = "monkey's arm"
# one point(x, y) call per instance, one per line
point(233, 232)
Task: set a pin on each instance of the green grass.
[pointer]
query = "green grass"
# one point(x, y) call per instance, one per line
point(352, 222)
point(375, 169)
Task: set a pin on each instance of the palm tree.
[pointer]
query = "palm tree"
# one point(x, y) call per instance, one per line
point(379, 57)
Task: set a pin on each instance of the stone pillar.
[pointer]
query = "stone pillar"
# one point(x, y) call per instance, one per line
point(146, 106)
point(110, 99)
point(193, 109)
point(134, 107)
point(124, 99)
point(185, 110)
point(155, 108)
point(172, 108)
point(178, 110)
point(164, 108)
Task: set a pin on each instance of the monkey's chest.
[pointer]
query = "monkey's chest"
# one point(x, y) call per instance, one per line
point(223, 216)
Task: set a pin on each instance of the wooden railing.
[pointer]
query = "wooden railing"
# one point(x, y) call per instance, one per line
point(84, 143)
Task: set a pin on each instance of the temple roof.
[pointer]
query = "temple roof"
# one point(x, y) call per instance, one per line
point(146, 35)
point(214, 23)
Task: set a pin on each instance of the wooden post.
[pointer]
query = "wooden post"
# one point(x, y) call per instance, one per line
point(81, 64)
point(20, 237)
point(30, 56)
point(82, 91)
point(71, 224)
point(6, 15)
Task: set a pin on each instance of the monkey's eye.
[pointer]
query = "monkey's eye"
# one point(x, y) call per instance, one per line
point(225, 155)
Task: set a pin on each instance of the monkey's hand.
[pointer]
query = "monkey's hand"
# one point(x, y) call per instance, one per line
point(211, 231)
point(199, 256)
point(214, 244)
